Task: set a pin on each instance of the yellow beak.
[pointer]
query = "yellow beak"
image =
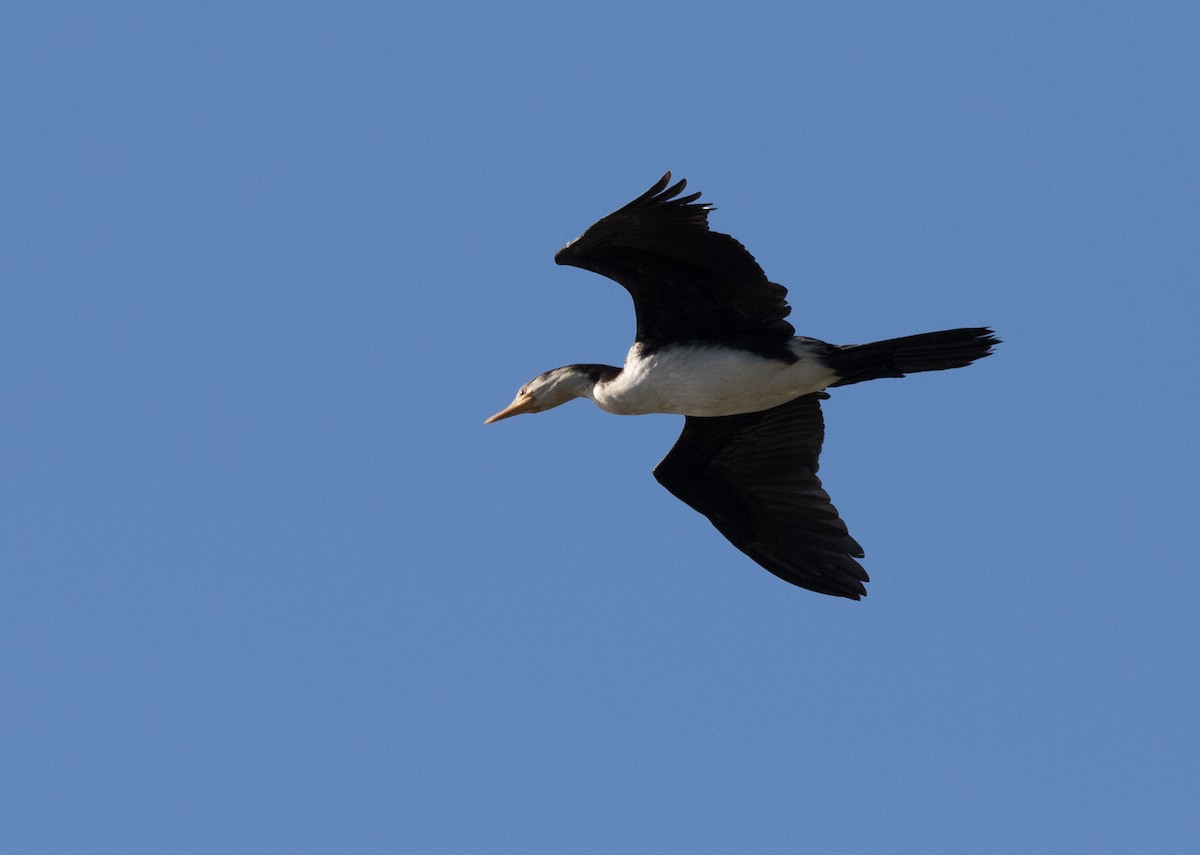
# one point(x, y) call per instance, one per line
point(520, 404)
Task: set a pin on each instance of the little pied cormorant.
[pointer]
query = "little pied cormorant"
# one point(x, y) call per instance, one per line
point(712, 345)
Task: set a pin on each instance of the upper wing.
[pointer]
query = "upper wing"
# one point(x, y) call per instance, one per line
point(688, 283)
point(755, 477)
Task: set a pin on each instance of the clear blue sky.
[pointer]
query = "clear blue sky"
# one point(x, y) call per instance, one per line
point(267, 584)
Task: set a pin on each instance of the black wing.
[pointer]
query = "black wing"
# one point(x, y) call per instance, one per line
point(755, 477)
point(688, 283)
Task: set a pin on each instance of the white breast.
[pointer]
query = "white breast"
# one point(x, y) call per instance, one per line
point(707, 380)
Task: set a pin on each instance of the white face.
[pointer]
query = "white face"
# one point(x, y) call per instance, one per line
point(547, 390)
point(552, 388)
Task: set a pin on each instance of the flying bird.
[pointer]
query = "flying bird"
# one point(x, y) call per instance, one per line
point(713, 344)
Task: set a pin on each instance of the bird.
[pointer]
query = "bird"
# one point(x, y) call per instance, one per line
point(713, 344)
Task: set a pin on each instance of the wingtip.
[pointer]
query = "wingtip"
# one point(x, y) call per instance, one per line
point(663, 189)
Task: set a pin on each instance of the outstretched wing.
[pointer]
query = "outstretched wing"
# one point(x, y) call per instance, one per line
point(688, 283)
point(755, 477)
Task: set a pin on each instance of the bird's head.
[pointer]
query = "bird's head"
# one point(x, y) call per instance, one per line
point(552, 388)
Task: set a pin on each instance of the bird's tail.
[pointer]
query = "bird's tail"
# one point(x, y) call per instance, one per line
point(895, 357)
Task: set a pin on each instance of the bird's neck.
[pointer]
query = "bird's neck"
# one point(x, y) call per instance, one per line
point(587, 376)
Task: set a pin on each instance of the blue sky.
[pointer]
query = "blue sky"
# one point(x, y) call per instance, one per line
point(267, 584)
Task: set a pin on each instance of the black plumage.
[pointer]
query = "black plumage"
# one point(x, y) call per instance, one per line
point(711, 330)
point(755, 477)
point(688, 283)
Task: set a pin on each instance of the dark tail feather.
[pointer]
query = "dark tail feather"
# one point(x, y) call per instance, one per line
point(895, 357)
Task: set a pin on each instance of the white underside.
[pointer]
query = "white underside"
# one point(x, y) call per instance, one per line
point(696, 380)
